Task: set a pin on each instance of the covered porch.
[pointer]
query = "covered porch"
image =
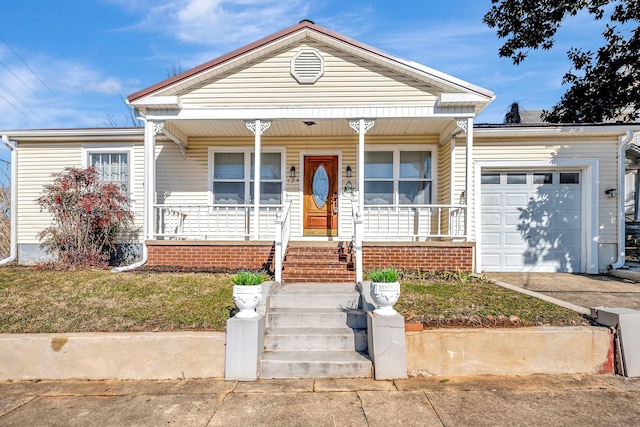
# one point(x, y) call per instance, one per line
point(412, 213)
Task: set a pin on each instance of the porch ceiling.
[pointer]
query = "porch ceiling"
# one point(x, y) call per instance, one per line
point(321, 127)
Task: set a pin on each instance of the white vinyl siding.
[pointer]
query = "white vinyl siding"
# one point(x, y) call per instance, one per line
point(38, 160)
point(347, 80)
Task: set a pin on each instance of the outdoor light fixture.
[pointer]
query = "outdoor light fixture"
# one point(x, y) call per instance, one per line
point(292, 172)
point(611, 193)
point(349, 171)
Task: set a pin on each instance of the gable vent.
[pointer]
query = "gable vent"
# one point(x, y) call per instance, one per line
point(307, 66)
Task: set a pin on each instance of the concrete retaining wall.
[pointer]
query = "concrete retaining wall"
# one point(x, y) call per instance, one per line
point(170, 355)
point(153, 355)
point(510, 351)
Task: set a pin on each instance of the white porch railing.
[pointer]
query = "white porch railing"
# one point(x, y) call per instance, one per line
point(283, 232)
point(413, 222)
point(214, 222)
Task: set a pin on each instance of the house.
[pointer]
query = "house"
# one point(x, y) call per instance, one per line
point(373, 159)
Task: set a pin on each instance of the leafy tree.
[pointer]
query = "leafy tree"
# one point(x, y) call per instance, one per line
point(88, 216)
point(604, 85)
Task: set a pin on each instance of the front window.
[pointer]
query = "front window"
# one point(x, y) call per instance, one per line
point(112, 168)
point(398, 177)
point(234, 174)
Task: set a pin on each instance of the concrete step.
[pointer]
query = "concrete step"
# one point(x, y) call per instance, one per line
point(316, 339)
point(315, 295)
point(327, 317)
point(314, 364)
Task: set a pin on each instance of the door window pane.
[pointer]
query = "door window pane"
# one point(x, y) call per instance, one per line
point(415, 164)
point(378, 164)
point(543, 178)
point(490, 178)
point(517, 178)
point(569, 177)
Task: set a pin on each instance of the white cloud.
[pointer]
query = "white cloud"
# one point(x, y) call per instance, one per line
point(55, 96)
point(216, 22)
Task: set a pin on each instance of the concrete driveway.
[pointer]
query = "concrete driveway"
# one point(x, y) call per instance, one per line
point(584, 290)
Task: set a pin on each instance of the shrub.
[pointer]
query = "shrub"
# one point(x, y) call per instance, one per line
point(5, 209)
point(88, 216)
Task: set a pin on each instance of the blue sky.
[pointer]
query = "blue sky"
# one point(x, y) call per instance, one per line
point(70, 63)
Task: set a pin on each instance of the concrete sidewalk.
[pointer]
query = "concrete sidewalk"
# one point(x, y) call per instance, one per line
point(583, 290)
point(421, 401)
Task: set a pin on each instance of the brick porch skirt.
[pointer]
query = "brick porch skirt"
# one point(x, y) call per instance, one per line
point(424, 256)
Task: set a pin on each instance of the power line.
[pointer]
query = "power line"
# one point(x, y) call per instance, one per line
point(17, 109)
point(34, 73)
point(20, 79)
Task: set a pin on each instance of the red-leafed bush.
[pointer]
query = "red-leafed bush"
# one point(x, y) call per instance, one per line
point(88, 216)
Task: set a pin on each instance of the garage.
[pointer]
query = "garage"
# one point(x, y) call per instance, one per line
point(531, 220)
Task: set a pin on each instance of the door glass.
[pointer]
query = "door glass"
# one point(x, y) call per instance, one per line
point(320, 186)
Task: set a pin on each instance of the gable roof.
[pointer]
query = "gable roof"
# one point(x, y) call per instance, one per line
point(307, 29)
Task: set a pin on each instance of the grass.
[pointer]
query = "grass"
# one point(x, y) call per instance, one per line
point(463, 300)
point(37, 301)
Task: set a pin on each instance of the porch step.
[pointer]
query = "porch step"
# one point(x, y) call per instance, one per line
point(315, 330)
point(314, 364)
point(305, 262)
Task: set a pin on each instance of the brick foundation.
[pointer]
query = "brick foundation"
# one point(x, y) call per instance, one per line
point(424, 257)
point(436, 256)
point(211, 255)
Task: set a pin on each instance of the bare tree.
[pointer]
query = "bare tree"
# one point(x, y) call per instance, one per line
point(5, 209)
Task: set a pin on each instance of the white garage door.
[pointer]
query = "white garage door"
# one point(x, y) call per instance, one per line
point(531, 221)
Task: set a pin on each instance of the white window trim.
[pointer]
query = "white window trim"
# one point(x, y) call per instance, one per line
point(396, 149)
point(115, 148)
point(247, 151)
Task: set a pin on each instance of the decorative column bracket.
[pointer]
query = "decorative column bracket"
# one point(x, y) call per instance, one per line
point(157, 127)
point(355, 125)
point(251, 125)
point(462, 124)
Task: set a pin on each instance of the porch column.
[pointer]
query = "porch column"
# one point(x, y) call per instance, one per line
point(257, 127)
point(469, 177)
point(467, 126)
point(151, 129)
point(361, 126)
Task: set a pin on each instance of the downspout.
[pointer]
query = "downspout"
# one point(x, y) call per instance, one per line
point(149, 156)
point(13, 253)
point(623, 140)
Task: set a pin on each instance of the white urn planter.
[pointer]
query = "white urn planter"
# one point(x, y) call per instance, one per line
point(247, 299)
point(385, 295)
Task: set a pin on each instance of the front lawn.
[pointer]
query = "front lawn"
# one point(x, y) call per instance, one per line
point(34, 301)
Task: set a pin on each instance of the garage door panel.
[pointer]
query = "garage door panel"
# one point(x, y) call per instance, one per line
point(491, 200)
point(491, 219)
point(491, 239)
point(514, 199)
point(512, 219)
point(566, 220)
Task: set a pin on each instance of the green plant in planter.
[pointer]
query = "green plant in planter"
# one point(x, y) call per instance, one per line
point(384, 275)
point(248, 278)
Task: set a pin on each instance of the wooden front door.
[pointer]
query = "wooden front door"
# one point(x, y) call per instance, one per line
point(321, 195)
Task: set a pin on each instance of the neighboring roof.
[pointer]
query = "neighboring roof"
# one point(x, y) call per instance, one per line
point(308, 29)
point(546, 129)
point(74, 134)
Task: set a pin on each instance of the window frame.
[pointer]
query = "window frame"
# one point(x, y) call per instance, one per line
point(88, 150)
point(396, 179)
point(247, 152)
